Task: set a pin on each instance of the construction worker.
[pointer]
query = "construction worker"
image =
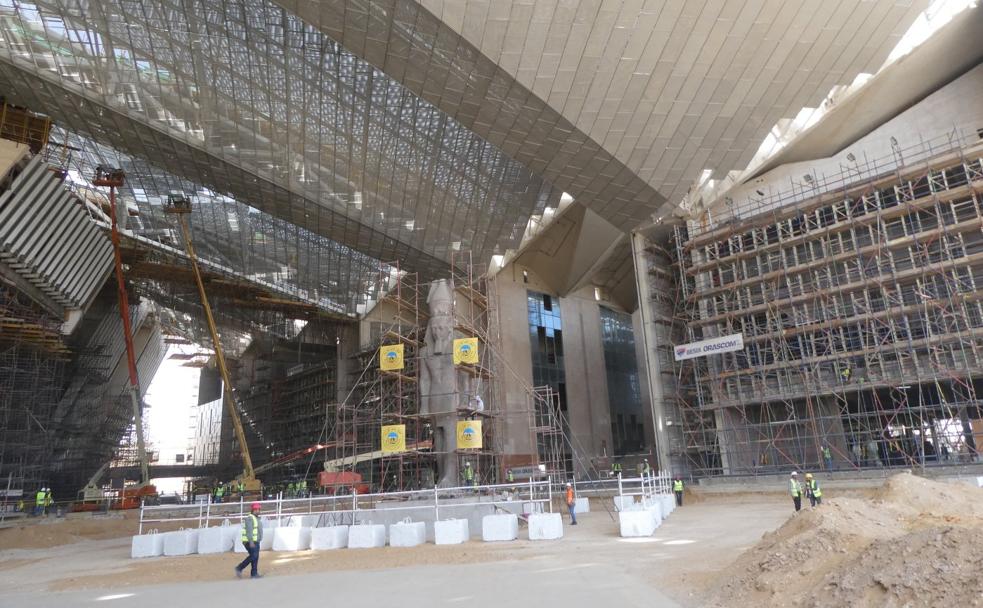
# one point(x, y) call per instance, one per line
point(828, 457)
point(20, 505)
point(39, 501)
point(813, 491)
point(509, 477)
point(845, 374)
point(220, 492)
point(571, 504)
point(469, 475)
point(242, 487)
point(48, 500)
point(616, 469)
point(795, 488)
point(646, 469)
point(252, 536)
point(302, 488)
point(677, 488)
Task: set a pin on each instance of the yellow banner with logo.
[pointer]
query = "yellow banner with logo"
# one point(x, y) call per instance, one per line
point(466, 351)
point(468, 434)
point(391, 357)
point(393, 438)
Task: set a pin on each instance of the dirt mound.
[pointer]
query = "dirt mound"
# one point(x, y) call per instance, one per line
point(45, 533)
point(867, 552)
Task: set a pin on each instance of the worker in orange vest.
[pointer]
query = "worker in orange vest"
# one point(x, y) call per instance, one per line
point(571, 503)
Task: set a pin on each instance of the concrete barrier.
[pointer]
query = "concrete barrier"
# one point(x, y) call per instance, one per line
point(637, 523)
point(407, 534)
point(291, 538)
point(582, 505)
point(147, 545)
point(214, 540)
point(499, 527)
point(332, 537)
point(668, 504)
point(545, 526)
point(451, 532)
point(182, 542)
point(622, 503)
point(366, 536)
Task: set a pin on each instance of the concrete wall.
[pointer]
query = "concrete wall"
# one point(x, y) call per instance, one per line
point(586, 380)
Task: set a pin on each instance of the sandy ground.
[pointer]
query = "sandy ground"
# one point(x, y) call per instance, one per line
point(692, 547)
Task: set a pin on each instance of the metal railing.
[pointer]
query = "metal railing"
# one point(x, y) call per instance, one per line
point(353, 508)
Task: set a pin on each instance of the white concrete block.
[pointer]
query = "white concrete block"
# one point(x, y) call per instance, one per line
point(451, 532)
point(637, 523)
point(407, 534)
point(582, 505)
point(214, 540)
point(332, 537)
point(366, 536)
point(303, 521)
point(622, 503)
point(668, 504)
point(182, 542)
point(147, 545)
point(499, 527)
point(545, 526)
point(291, 538)
point(979, 482)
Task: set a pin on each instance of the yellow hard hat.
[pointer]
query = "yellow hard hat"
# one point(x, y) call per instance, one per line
point(808, 475)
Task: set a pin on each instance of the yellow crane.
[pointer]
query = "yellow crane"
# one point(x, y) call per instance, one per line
point(181, 207)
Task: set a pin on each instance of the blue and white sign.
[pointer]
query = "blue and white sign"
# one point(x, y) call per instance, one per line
point(723, 344)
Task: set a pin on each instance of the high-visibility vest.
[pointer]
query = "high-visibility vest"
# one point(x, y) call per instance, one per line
point(616, 467)
point(814, 487)
point(255, 537)
point(510, 477)
point(468, 473)
point(826, 454)
point(220, 491)
point(677, 486)
point(47, 499)
point(39, 498)
point(795, 488)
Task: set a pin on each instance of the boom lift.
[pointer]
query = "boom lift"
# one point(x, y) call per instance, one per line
point(181, 207)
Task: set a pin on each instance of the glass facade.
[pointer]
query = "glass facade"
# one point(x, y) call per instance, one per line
point(546, 340)
point(624, 392)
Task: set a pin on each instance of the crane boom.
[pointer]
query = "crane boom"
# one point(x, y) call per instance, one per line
point(182, 207)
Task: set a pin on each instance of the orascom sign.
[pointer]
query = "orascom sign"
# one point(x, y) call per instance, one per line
point(723, 344)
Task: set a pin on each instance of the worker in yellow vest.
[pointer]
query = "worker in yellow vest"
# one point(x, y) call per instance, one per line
point(469, 479)
point(48, 500)
point(39, 501)
point(252, 536)
point(813, 491)
point(677, 488)
point(795, 489)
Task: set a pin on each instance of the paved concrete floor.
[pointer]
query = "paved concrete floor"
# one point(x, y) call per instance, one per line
point(591, 566)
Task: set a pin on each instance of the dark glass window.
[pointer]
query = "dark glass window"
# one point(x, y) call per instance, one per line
point(624, 391)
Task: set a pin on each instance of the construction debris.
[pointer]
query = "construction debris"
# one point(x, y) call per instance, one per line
point(918, 543)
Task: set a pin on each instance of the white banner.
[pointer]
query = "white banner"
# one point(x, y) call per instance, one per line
point(723, 344)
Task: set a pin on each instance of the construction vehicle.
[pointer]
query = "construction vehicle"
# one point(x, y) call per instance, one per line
point(180, 206)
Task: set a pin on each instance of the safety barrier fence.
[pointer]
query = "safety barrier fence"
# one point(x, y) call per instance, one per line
point(353, 508)
point(645, 485)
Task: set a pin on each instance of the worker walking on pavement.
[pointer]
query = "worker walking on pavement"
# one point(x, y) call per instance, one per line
point(813, 491)
point(252, 536)
point(677, 488)
point(572, 504)
point(795, 488)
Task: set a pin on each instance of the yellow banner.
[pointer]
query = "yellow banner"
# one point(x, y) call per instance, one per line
point(391, 357)
point(466, 351)
point(468, 434)
point(393, 438)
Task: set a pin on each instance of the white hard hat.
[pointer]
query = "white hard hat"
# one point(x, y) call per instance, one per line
point(795, 474)
point(569, 484)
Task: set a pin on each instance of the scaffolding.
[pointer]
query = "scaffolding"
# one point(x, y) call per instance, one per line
point(32, 358)
point(861, 319)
